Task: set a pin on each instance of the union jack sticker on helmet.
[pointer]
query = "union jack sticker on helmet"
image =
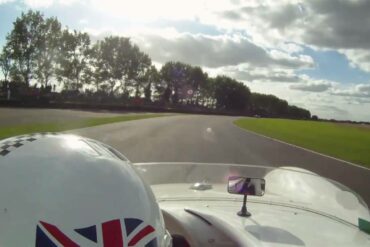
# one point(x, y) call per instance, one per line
point(113, 233)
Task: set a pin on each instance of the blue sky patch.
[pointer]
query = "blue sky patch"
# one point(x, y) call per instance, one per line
point(333, 66)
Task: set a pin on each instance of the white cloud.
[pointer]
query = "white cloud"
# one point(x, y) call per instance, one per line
point(83, 22)
point(283, 25)
point(6, 1)
point(359, 90)
point(47, 3)
point(249, 73)
point(148, 10)
point(334, 24)
point(39, 3)
point(217, 51)
point(312, 86)
point(323, 104)
point(342, 25)
point(290, 47)
point(208, 51)
point(340, 109)
point(359, 58)
point(282, 55)
point(332, 110)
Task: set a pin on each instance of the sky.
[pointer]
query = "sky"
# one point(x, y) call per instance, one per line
point(314, 54)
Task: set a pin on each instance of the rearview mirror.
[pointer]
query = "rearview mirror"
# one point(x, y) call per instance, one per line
point(246, 186)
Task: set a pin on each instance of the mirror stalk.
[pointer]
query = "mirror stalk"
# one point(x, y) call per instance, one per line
point(244, 212)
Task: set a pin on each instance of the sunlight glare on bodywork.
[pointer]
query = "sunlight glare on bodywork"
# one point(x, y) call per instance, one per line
point(75, 143)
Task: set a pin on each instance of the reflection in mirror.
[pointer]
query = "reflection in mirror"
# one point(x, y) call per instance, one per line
point(246, 186)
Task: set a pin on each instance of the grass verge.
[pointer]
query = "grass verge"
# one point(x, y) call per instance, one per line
point(56, 127)
point(345, 142)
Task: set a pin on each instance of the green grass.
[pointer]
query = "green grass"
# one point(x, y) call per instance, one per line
point(342, 141)
point(62, 126)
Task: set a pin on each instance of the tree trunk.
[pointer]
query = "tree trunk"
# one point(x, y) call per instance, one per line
point(46, 80)
point(137, 90)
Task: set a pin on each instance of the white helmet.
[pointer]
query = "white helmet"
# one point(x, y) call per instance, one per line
point(65, 190)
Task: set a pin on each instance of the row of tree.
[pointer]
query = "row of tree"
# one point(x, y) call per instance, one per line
point(39, 50)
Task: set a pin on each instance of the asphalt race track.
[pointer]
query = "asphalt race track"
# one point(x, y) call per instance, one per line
point(19, 116)
point(195, 138)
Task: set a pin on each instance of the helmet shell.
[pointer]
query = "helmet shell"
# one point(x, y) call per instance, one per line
point(55, 186)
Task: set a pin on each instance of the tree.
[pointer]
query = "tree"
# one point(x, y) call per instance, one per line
point(176, 75)
point(48, 50)
point(24, 42)
point(151, 77)
point(315, 118)
point(272, 106)
point(207, 93)
point(112, 65)
point(269, 105)
point(73, 59)
point(280, 107)
point(5, 62)
point(138, 63)
point(196, 78)
point(91, 74)
point(231, 94)
point(298, 113)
